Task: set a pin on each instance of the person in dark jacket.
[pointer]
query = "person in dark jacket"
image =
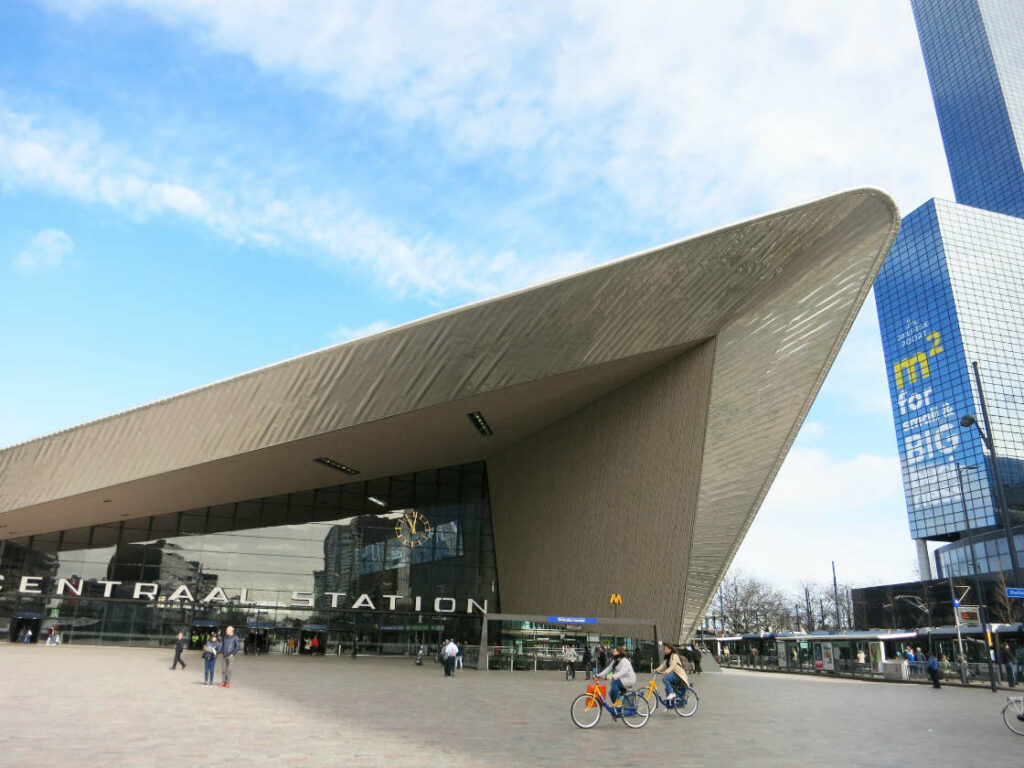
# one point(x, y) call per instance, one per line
point(210, 651)
point(179, 646)
point(1006, 661)
point(933, 669)
point(588, 661)
point(228, 649)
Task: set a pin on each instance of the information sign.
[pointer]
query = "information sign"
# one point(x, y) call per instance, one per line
point(571, 620)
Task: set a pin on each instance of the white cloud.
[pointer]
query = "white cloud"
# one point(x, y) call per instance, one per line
point(691, 113)
point(690, 116)
point(76, 160)
point(812, 430)
point(344, 333)
point(46, 251)
point(821, 509)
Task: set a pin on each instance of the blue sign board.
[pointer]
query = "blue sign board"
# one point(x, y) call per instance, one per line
point(1014, 592)
point(571, 620)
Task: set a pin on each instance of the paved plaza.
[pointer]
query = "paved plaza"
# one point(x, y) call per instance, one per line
point(101, 706)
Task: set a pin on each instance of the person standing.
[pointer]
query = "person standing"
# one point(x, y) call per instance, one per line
point(448, 654)
point(458, 657)
point(179, 646)
point(210, 651)
point(228, 649)
point(602, 657)
point(588, 660)
point(1006, 661)
point(933, 669)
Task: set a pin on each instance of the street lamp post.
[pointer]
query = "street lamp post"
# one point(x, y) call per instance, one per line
point(988, 439)
point(989, 650)
point(962, 664)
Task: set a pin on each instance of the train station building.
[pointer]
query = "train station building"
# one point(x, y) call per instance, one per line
point(611, 432)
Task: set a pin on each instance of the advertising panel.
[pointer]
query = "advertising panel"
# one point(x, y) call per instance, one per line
point(929, 385)
point(876, 656)
point(828, 661)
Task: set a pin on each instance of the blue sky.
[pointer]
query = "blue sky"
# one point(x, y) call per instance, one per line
point(192, 190)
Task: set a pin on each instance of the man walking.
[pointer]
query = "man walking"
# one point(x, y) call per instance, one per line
point(179, 646)
point(229, 649)
point(451, 650)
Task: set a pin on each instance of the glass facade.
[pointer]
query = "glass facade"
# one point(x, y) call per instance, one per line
point(974, 53)
point(387, 564)
point(951, 293)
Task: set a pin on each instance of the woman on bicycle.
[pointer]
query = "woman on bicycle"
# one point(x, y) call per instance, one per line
point(674, 672)
point(620, 672)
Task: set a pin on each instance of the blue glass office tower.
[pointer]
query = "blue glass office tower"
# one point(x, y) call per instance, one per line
point(951, 293)
point(974, 54)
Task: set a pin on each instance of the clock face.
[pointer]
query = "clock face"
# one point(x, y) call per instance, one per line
point(412, 529)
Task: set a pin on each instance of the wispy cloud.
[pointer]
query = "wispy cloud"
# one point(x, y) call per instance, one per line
point(344, 333)
point(689, 113)
point(47, 250)
point(76, 160)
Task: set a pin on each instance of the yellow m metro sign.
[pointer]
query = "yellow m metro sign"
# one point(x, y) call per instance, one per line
point(615, 599)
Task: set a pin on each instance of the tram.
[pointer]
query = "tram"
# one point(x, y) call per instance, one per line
point(860, 652)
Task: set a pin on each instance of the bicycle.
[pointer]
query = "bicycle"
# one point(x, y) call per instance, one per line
point(1013, 714)
point(684, 704)
point(586, 708)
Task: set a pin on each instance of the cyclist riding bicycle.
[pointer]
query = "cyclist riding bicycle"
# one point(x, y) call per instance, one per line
point(620, 672)
point(675, 674)
point(569, 656)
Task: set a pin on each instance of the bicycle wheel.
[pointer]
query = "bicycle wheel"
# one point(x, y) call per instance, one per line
point(1012, 714)
point(585, 710)
point(651, 698)
point(687, 706)
point(635, 710)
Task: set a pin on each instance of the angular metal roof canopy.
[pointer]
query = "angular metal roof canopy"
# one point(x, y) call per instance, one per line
point(765, 304)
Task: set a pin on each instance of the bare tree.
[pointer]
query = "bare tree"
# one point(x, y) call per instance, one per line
point(999, 603)
point(752, 605)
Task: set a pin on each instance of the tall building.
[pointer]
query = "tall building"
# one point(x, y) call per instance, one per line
point(974, 54)
point(951, 294)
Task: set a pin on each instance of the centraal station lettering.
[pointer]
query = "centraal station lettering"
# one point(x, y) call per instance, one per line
point(142, 590)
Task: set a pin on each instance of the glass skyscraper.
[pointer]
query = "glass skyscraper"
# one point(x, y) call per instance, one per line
point(951, 294)
point(974, 54)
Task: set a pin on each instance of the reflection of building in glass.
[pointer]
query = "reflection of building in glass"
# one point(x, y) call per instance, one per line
point(951, 291)
point(159, 563)
point(343, 545)
point(17, 560)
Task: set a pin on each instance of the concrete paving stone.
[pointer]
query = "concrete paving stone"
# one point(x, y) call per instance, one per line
point(105, 706)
